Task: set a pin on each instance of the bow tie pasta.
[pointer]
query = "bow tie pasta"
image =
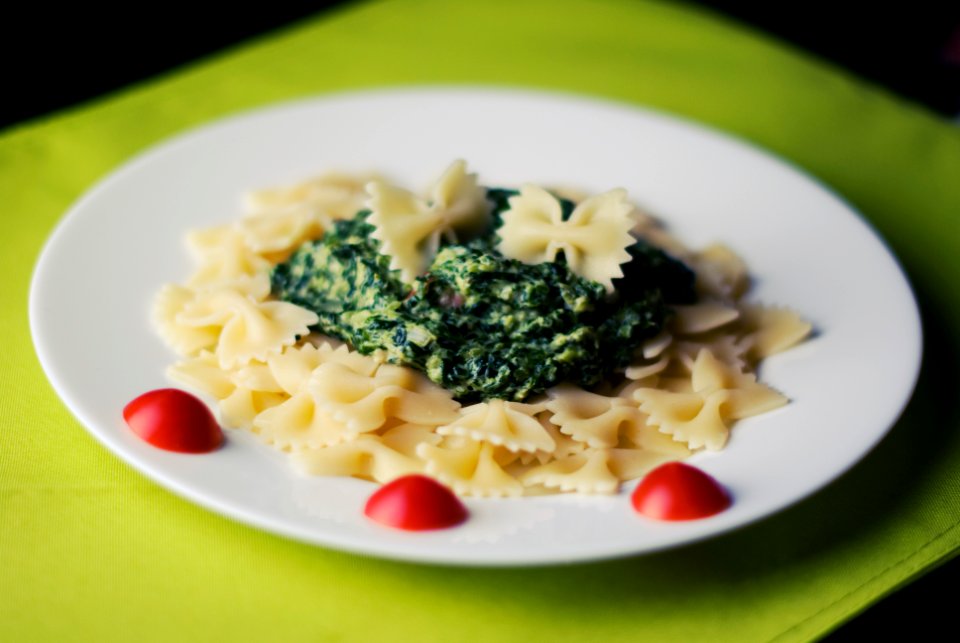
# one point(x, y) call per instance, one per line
point(505, 342)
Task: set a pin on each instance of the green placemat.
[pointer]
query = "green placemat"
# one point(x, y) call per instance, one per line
point(90, 550)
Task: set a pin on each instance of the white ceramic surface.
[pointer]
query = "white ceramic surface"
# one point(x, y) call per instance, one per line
point(808, 250)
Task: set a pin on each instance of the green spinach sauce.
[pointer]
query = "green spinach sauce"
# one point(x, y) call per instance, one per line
point(477, 323)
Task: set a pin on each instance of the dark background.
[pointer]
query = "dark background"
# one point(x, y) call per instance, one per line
point(55, 58)
point(58, 58)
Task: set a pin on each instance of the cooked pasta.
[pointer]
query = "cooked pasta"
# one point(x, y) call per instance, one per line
point(339, 412)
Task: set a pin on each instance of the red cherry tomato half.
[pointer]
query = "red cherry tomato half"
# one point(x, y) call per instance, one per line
point(677, 491)
point(415, 503)
point(174, 420)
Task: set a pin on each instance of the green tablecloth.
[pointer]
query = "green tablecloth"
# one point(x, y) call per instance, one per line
point(91, 550)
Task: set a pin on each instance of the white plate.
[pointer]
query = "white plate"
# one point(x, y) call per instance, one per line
point(124, 239)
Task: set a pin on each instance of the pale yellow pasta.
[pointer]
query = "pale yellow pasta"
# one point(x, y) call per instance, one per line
point(587, 473)
point(675, 384)
point(508, 424)
point(241, 408)
point(405, 438)
point(277, 235)
point(365, 402)
point(630, 464)
point(702, 317)
point(729, 349)
point(328, 197)
point(565, 445)
point(746, 395)
point(174, 305)
point(184, 339)
point(242, 394)
point(257, 376)
point(588, 417)
point(470, 469)
point(629, 387)
point(365, 457)
point(691, 418)
point(248, 329)
point(720, 272)
point(343, 355)
point(774, 329)
point(409, 228)
point(461, 201)
point(223, 256)
point(338, 412)
point(654, 347)
point(292, 367)
point(203, 373)
point(640, 433)
point(642, 371)
point(299, 423)
point(405, 226)
point(593, 240)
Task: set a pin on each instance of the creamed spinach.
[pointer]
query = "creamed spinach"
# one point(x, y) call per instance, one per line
point(477, 323)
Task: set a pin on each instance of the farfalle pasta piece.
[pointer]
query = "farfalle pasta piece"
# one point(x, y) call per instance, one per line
point(774, 329)
point(461, 201)
point(508, 424)
point(365, 402)
point(628, 387)
point(248, 329)
point(405, 438)
point(277, 235)
point(292, 367)
point(639, 433)
point(702, 317)
point(203, 373)
point(258, 377)
point(588, 417)
point(365, 457)
point(328, 197)
point(184, 339)
point(565, 445)
point(642, 371)
point(240, 409)
point(630, 464)
point(587, 473)
point(356, 362)
point(729, 349)
point(746, 396)
point(299, 423)
point(182, 334)
point(242, 394)
point(692, 418)
point(593, 240)
point(409, 228)
point(655, 346)
point(720, 272)
point(406, 228)
point(675, 384)
point(223, 256)
point(469, 468)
